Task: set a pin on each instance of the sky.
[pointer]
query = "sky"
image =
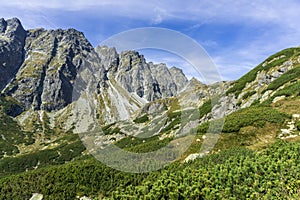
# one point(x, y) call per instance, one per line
point(237, 35)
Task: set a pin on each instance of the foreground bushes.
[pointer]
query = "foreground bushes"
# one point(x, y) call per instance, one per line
point(232, 174)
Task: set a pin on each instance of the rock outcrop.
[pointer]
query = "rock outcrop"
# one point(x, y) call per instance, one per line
point(147, 80)
point(51, 62)
point(12, 41)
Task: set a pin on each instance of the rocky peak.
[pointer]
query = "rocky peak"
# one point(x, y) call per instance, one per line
point(147, 80)
point(178, 77)
point(12, 41)
point(3, 25)
point(52, 59)
point(11, 31)
point(109, 57)
point(40, 68)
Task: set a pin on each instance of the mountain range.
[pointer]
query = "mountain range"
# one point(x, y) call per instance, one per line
point(139, 106)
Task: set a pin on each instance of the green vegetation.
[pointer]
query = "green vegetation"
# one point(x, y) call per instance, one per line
point(149, 146)
point(68, 150)
point(232, 174)
point(286, 77)
point(173, 121)
point(110, 130)
point(240, 84)
point(292, 89)
point(142, 119)
point(11, 134)
point(173, 125)
point(84, 177)
point(205, 108)
point(142, 145)
point(248, 94)
point(252, 116)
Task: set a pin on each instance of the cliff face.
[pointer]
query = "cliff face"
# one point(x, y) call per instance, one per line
point(51, 62)
point(147, 80)
point(129, 82)
point(12, 41)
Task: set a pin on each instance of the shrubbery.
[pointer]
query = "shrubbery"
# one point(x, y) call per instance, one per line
point(59, 155)
point(287, 91)
point(286, 77)
point(205, 108)
point(252, 116)
point(298, 125)
point(231, 174)
point(248, 94)
point(141, 119)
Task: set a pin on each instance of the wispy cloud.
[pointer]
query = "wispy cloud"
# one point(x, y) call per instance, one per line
point(259, 28)
point(159, 56)
point(229, 11)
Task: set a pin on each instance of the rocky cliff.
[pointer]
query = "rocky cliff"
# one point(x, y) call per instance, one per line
point(39, 67)
point(147, 80)
point(12, 41)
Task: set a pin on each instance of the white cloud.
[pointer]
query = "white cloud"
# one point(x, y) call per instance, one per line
point(282, 12)
point(170, 59)
point(233, 60)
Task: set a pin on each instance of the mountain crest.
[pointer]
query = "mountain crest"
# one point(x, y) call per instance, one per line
point(44, 65)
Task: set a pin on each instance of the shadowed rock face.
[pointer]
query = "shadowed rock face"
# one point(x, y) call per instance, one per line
point(39, 67)
point(12, 41)
point(51, 62)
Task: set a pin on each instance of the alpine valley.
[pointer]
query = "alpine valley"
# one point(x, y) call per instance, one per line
point(141, 107)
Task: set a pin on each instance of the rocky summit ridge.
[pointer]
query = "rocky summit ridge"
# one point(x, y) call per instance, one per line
point(39, 68)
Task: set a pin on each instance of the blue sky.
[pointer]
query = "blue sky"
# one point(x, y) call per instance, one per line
point(237, 35)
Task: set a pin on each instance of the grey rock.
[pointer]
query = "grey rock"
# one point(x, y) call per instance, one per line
point(12, 41)
point(149, 81)
point(178, 77)
point(52, 61)
point(36, 196)
point(40, 68)
point(109, 57)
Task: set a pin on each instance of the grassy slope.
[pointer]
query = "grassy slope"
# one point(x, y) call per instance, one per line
point(240, 84)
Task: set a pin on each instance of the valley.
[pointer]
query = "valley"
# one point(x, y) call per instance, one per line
point(63, 102)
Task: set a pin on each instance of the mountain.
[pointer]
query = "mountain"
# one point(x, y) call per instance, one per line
point(41, 66)
point(139, 106)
